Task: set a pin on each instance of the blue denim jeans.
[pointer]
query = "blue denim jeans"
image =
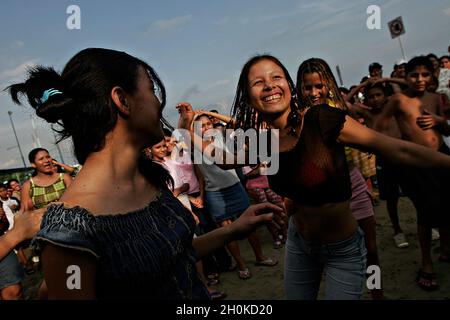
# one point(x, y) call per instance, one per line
point(343, 264)
point(11, 272)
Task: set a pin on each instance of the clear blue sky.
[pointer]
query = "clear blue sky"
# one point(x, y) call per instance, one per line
point(199, 47)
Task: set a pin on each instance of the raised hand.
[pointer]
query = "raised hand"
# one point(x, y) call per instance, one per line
point(202, 111)
point(186, 115)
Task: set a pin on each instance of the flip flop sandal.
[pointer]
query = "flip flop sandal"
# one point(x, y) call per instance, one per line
point(212, 282)
point(212, 276)
point(217, 295)
point(426, 277)
point(244, 274)
point(266, 263)
point(278, 244)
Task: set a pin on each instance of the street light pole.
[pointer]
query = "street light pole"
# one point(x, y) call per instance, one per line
point(57, 144)
point(17, 140)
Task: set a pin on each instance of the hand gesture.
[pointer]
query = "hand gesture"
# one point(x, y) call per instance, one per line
point(28, 223)
point(202, 111)
point(428, 120)
point(197, 202)
point(257, 215)
point(186, 115)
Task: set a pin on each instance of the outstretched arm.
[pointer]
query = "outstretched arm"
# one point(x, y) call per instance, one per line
point(251, 218)
point(394, 150)
point(393, 80)
point(219, 116)
point(356, 89)
point(26, 225)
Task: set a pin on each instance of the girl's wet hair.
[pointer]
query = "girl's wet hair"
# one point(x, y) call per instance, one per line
point(321, 67)
point(81, 101)
point(246, 116)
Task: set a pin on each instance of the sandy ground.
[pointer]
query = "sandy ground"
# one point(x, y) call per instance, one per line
point(398, 266)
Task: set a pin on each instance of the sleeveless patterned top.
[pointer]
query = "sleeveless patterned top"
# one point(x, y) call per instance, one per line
point(42, 196)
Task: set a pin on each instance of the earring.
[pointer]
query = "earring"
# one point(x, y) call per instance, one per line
point(330, 94)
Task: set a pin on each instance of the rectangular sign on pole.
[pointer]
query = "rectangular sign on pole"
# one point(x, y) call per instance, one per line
point(396, 27)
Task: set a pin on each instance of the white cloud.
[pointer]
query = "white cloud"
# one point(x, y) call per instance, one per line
point(319, 8)
point(277, 16)
point(190, 91)
point(223, 21)
point(222, 106)
point(219, 83)
point(244, 20)
point(172, 23)
point(19, 44)
point(334, 18)
point(18, 71)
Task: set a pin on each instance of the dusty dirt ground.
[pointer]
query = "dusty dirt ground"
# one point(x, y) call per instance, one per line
point(398, 266)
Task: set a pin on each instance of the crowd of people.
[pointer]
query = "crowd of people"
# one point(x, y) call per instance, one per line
point(142, 219)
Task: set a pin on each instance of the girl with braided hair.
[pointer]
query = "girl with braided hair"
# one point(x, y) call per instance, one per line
point(313, 175)
point(316, 85)
point(315, 73)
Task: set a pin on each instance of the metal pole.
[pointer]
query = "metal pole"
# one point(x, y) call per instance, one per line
point(338, 70)
point(57, 145)
point(401, 48)
point(34, 135)
point(17, 140)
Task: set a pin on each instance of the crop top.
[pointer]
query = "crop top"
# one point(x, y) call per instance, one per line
point(315, 171)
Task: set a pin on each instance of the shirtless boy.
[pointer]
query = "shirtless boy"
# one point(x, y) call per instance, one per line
point(419, 118)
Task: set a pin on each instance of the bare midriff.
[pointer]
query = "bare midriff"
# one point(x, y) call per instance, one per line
point(328, 223)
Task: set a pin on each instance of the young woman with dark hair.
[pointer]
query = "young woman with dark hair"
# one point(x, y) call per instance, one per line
point(316, 85)
point(314, 176)
point(118, 222)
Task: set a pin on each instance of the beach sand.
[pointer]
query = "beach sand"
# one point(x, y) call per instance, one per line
point(398, 266)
